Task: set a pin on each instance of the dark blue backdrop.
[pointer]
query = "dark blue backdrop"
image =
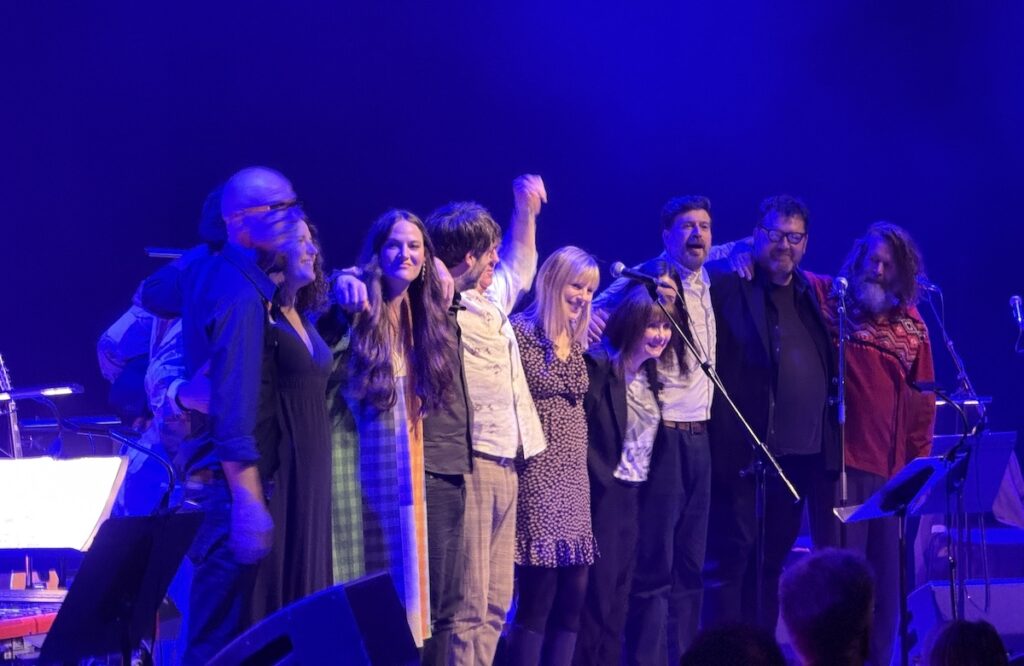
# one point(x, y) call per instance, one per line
point(118, 118)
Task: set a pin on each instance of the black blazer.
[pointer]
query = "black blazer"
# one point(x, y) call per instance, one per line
point(745, 366)
point(605, 406)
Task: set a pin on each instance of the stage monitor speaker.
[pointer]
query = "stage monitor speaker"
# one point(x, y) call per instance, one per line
point(358, 622)
point(929, 609)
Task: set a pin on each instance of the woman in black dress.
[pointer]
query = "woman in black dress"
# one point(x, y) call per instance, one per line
point(299, 494)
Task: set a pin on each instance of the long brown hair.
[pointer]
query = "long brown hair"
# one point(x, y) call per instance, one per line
point(423, 324)
point(312, 299)
point(905, 254)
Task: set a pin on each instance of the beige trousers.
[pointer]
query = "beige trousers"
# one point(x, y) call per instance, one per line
point(489, 548)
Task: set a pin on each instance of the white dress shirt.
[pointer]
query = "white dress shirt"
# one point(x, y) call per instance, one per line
point(504, 416)
point(687, 396)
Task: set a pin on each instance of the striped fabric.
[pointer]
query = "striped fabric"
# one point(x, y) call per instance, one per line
point(412, 500)
point(394, 510)
point(346, 495)
point(346, 489)
point(378, 492)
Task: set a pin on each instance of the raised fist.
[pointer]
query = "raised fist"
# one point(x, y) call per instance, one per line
point(529, 193)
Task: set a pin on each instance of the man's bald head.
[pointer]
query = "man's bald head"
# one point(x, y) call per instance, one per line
point(259, 208)
point(253, 188)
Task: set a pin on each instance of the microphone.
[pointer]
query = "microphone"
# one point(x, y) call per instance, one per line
point(839, 287)
point(1016, 310)
point(619, 269)
point(927, 285)
point(163, 252)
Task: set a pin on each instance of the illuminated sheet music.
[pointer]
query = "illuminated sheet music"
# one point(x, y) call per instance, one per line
point(47, 503)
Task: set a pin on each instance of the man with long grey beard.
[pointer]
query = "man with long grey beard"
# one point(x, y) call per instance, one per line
point(888, 421)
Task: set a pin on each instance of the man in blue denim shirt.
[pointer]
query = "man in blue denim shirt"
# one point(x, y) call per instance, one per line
point(224, 308)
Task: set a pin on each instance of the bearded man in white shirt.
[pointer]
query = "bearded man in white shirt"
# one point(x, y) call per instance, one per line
point(674, 501)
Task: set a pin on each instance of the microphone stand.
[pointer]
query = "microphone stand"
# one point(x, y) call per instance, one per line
point(965, 389)
point(955, 477)
point(958, 468)
point(844, 324)
point(132, 442)
point(759, 468)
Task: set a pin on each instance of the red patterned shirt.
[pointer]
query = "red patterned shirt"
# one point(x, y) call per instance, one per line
point(888, 423)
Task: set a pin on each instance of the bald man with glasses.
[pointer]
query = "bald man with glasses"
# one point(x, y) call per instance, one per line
point(222, 295)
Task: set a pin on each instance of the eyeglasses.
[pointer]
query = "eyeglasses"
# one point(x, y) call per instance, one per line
point(268, 208)
point(775, 235)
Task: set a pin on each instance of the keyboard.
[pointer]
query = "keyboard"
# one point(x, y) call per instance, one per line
point(28, 612)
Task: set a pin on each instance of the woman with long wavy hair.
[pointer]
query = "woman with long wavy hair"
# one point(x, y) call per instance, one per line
point(394, 369)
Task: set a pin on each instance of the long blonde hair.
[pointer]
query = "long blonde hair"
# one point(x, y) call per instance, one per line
point(565, 266)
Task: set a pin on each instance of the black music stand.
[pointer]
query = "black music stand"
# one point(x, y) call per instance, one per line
point(900, 497)
point(982, 477)
point(112, 602)
point(975, 469)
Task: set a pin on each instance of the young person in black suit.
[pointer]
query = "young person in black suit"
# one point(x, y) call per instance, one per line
point(623, 415)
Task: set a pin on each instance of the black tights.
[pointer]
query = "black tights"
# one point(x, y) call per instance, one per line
point(551, 597)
